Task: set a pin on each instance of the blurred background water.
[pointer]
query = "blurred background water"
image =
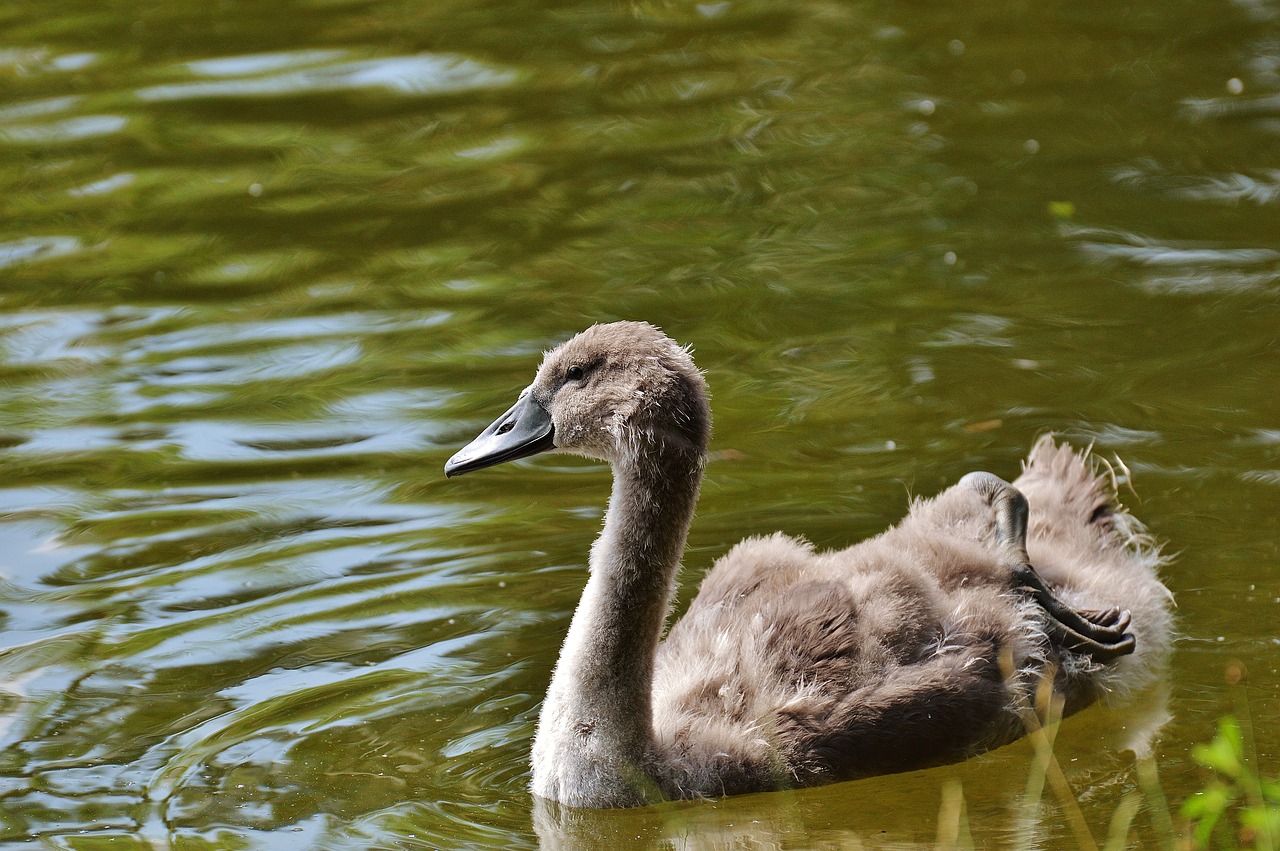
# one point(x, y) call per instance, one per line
point(263, 267)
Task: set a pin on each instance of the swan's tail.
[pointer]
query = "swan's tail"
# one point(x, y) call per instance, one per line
point(1073, 493)
point(1096, 555)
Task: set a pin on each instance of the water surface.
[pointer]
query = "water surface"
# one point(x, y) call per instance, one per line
point(263, 268)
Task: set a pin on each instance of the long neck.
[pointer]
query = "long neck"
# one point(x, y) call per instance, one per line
point(596, 725)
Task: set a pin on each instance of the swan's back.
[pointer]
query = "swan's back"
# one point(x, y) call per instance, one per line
point(907, 650)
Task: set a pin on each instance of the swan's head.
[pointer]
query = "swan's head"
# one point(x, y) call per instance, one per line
point(614, 392)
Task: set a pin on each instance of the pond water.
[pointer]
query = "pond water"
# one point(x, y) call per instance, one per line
point(264, 267)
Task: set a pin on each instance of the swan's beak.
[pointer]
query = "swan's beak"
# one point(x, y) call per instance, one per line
point(524, 430)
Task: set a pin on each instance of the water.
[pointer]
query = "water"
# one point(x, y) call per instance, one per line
point(264, 268)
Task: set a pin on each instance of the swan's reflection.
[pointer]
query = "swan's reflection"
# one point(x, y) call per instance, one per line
point(993, 799)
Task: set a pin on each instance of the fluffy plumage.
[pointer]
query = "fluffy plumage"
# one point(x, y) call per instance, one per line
point(794, 667)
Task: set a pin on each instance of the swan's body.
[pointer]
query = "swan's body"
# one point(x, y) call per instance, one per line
point(917, 647)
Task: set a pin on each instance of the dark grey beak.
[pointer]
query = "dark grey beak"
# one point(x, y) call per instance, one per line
point(524, 430)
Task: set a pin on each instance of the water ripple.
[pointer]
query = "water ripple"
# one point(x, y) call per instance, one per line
point(1109, 244)
point(41, 60)
point(66, 130)
point(37, 248)
point(1205, 109)
point(423, 74)
point(1262, 188)
point(36, 108)
point(1182, 266)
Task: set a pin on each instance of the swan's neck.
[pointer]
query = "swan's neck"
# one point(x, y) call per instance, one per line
point(594, 735)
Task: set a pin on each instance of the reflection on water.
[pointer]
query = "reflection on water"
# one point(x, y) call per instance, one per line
point(1182, 267)
point(995, 799)
point(281, 75)
point(265, 268)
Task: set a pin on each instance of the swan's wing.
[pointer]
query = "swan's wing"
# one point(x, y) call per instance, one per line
point(931, 712)
point(805, 667)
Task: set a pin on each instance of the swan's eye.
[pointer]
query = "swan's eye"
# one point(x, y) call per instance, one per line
point(575, 373)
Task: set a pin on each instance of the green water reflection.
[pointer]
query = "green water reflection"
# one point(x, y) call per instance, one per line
point(263, 268)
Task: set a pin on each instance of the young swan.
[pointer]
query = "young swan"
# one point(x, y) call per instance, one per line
point(918, 647)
